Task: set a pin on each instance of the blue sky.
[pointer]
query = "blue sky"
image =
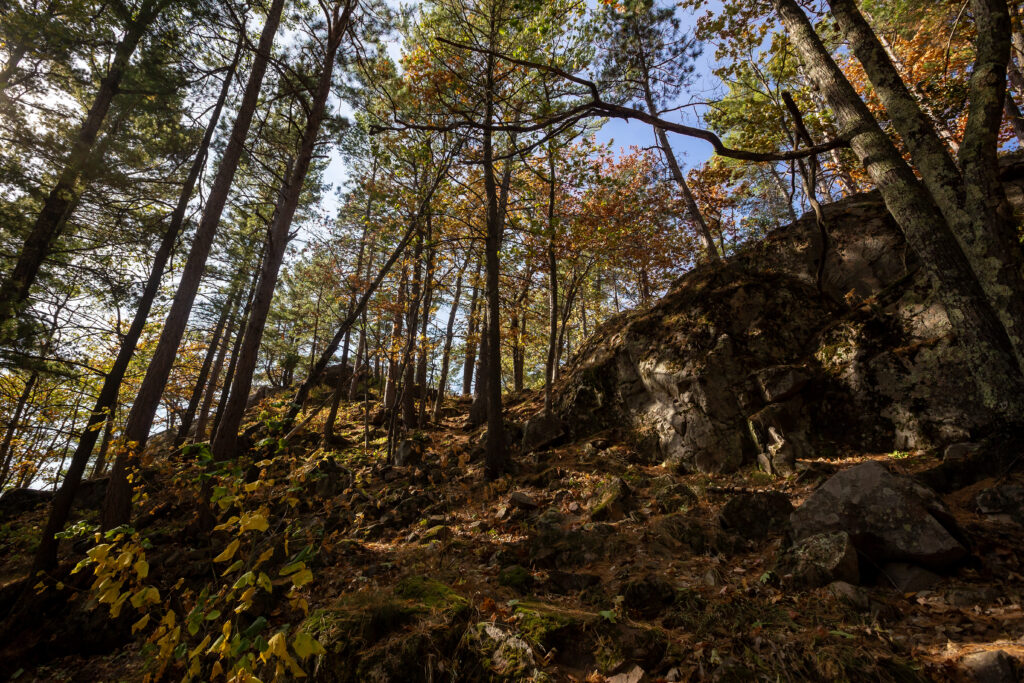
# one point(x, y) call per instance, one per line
point(624, 134)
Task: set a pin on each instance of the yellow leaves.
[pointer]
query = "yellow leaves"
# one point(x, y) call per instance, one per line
point(306, 645)
point(99, 553)
point(141, 568)
point(277, 647)
point(300, 579)
point(264, 556)
point(263, 581)
point(228, 552)
point(145, 596)
point(253, 521)
point(141, 623)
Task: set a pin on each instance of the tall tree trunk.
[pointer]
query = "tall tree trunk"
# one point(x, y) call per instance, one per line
point(442, 379)
point(237, 345)
point(703, 232)
point(391, 383)
point(552, 264)
point(973, 205)
point(218, 367)
point(428, 302)
point(52, 217)
point(46, 553)
point(472, 334)
point(408, 367)
point(212, 350)
point(6, 451)
point(225, 440)
point(988, 349)
point(117, 505)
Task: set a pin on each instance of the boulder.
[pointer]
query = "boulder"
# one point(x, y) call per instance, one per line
point(819, 560)
point(890, 518)
point(14, 502)
point(756, 515)
point(850, 595)
point(500, 651)
point(542, 431)
point(781, 382)
point(991, 666)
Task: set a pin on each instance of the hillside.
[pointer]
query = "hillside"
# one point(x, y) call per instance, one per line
point(750, 479)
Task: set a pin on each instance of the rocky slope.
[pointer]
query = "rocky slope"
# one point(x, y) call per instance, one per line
point(874, 556)
point(749, 359)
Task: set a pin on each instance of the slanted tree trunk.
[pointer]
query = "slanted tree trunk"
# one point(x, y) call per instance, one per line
point(973, 204)
point(14, 289)
point(987, 346)
point(6, 451)
point(225, 440)
point(472, 335)
point(442, 378)
point(204, 370)
point(117, 505)
point(46, 553)
point(218, 367)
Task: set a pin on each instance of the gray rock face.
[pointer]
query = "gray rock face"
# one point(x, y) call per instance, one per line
point(542, 431)
point(756, 515)
point(820, 559)
point(993, 666)
point(747, 357)
point(889, 518)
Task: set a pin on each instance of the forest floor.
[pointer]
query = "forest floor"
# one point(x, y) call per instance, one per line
point(587, 564)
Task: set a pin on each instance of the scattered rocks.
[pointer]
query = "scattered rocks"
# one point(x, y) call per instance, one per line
point(408, 453)
point(756, 515)
point(820, 559)
point(614, 503)
point(542, 431)
point(522, 501)
point(992, 666)
point(516, 577)
point(648, 595)
point(851, 595)
point(888, 517)
point(1006, 499)
point(909, 578)
point(634, 675)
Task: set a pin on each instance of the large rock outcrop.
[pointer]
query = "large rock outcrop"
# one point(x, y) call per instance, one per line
point(747, 358)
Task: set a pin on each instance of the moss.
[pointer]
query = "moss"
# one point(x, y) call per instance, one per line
point(516, 577)
point(432, 594)
point(541, 623)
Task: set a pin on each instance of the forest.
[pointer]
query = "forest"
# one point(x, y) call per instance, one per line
point(494, 340)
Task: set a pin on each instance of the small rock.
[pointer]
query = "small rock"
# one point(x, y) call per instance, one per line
point(409, 452)
point(523, 501)
point(614, 503)
point(649, 595)
point(1005, 499)
point(821, 559)
point(712, 577)
point(634, 675)
point(756, 515)
point(909, 578)
point(852, 595)
point(780, 458)
point(542, 431)
point(516, 577)
point(501, 651)
point(959, 451)
point(992, 666)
